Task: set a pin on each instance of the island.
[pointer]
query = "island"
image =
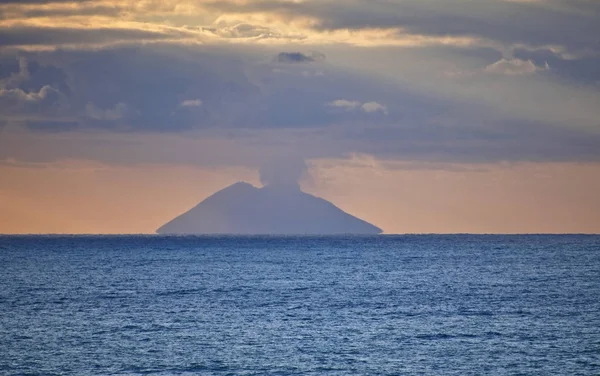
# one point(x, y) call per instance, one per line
point(243, 209)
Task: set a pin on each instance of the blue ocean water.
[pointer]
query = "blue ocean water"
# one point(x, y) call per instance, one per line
point(381, 305)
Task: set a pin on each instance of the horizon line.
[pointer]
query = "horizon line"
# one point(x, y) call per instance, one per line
point(299, 235)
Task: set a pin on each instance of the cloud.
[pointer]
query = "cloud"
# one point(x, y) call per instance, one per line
point(32, 92)
point(255, 148)
point(151, 84)
point(21, 104)
point(580, 71)
point(347, 105)
point(312, 74)
point(244, 104)
point(374, 107)
point(33, 1)
point(56, 36)
point(513, 67)
point(245, 30)
point(293, 57)
point(567, 28)
point(16, 78)
point(18, 95)
point(191, 103)
point(119, 111)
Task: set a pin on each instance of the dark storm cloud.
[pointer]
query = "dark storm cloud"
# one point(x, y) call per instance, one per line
point(581, 71)
point(298, 57)
point(293, 57)
point(154, 83)
point(40, 1)
point(92, 10)
point(30, 76)
point(573, 24)
point(22, 35)
point(137, 88)
point(23, 11)
point(143, 90)
point(511, 140)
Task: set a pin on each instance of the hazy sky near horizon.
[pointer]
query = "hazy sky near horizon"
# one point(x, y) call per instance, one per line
point(418, 116)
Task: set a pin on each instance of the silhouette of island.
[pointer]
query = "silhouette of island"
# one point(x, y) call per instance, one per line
point(242, 208)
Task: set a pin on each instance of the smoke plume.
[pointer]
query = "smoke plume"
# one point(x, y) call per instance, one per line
point(283, 173)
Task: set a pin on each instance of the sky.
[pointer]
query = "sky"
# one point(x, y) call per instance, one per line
point(419, 116)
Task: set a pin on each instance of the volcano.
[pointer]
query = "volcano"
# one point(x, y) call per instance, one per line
point(244, 209)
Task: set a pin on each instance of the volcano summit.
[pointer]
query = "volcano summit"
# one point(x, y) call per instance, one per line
point(242, 208)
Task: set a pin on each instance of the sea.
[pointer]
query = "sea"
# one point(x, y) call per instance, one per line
point(300, 305)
